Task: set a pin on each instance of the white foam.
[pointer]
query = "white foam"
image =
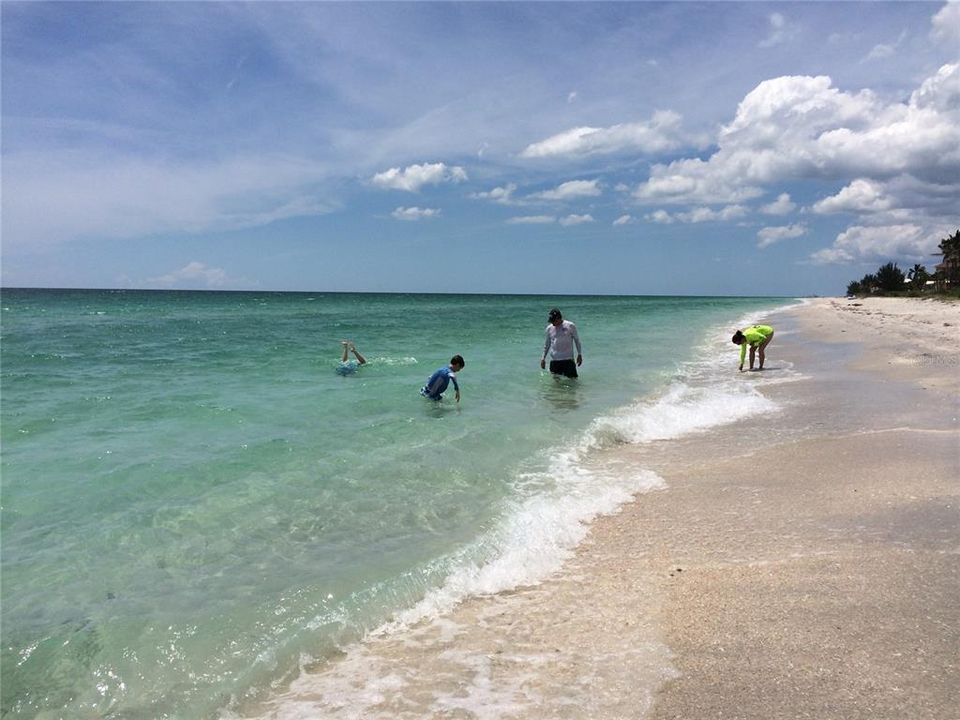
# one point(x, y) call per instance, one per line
point(550, 517)
point(535, 536)
point(393, 361)
point(681, 410)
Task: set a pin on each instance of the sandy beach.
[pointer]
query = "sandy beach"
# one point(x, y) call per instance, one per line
point(803, 563)
point(825, 584)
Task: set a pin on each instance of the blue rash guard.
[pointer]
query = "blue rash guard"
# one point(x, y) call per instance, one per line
point(348, 368)
point(438, 382)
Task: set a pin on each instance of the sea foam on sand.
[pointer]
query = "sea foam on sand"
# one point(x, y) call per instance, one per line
point(475, 645)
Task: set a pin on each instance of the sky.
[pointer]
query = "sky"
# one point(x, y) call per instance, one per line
point(634, 148)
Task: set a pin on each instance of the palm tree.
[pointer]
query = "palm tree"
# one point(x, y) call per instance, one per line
point(949, 269)
point(890, 277)
point(918, 277)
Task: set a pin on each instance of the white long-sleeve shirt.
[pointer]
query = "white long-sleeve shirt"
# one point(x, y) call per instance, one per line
point(559, 341)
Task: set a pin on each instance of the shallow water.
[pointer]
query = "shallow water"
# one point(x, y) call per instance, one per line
point(194, 500)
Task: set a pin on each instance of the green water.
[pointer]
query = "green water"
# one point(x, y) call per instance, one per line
point(193, 499)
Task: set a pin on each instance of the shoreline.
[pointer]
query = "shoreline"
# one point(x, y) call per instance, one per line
point(821, 572)
point(823, 588)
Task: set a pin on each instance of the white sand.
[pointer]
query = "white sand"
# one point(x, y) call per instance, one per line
point(805, 565)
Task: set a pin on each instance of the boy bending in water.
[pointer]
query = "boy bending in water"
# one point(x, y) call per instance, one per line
point(438, 382)
point(756, 336)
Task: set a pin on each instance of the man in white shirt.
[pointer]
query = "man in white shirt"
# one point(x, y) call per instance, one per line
point(561, 336)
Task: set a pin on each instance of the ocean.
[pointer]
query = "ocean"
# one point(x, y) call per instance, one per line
point(195, 503)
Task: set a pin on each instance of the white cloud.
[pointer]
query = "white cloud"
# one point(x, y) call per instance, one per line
point(769, 235)
point(881, 243)
point(571, 190)
point(659, 134)
point(860, 196)
point(946, 24)
point(624, 220)
point(783, 205)
point(660, 216)
point(502, 195)
point(566, 221)
point(414, 177)
point(780, 31)
point(570, 220)
point(699, 215)
point(940, 93)
point(192, 275)
point(532, 220)
point(901, 200)
point(694, 180)
point(704, 214)
point(414, 213)
point(795, 128)
point(572, 97)
point(882, 51)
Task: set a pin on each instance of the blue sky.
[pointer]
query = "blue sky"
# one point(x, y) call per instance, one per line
point(635, 148)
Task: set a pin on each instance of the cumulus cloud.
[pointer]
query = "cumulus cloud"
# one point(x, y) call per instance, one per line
point(192, 275)
point(904, 217)
point(783, 205)
point(769, 235)
point(704, 214)
point(414, 213)
point(660, 216)
point(946, 24)
point(624, 220)
point(862, 195)
point(576, 220)
point(861, 243)
point(698, 215)
point(940, 94)
point(414, 177)
point(502, 195)
point(895, 201)
point(661, 133)
point(571, 190)
point(804, 128)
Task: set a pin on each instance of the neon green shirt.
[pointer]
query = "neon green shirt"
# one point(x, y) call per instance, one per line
point(755, 335)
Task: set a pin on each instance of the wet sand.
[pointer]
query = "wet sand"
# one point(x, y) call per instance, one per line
point(801, 564)
point(821, 576)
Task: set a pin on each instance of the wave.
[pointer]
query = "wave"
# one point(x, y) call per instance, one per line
point(540, 527)
point(549, 515)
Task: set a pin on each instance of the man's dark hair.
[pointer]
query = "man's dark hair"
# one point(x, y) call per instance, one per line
point(554, 314)
point(738, 338)
point(457, 360)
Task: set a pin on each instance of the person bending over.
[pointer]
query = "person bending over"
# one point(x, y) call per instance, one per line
point(757, 337)
point(438, 382)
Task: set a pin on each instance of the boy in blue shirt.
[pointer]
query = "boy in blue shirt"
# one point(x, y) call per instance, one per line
point(438, 382)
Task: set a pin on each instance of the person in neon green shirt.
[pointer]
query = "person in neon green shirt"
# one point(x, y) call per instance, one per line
point(757, 337)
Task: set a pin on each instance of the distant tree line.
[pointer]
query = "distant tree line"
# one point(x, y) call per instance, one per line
point(890, 278)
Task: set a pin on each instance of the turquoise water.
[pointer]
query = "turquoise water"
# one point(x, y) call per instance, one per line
point(194, 501)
